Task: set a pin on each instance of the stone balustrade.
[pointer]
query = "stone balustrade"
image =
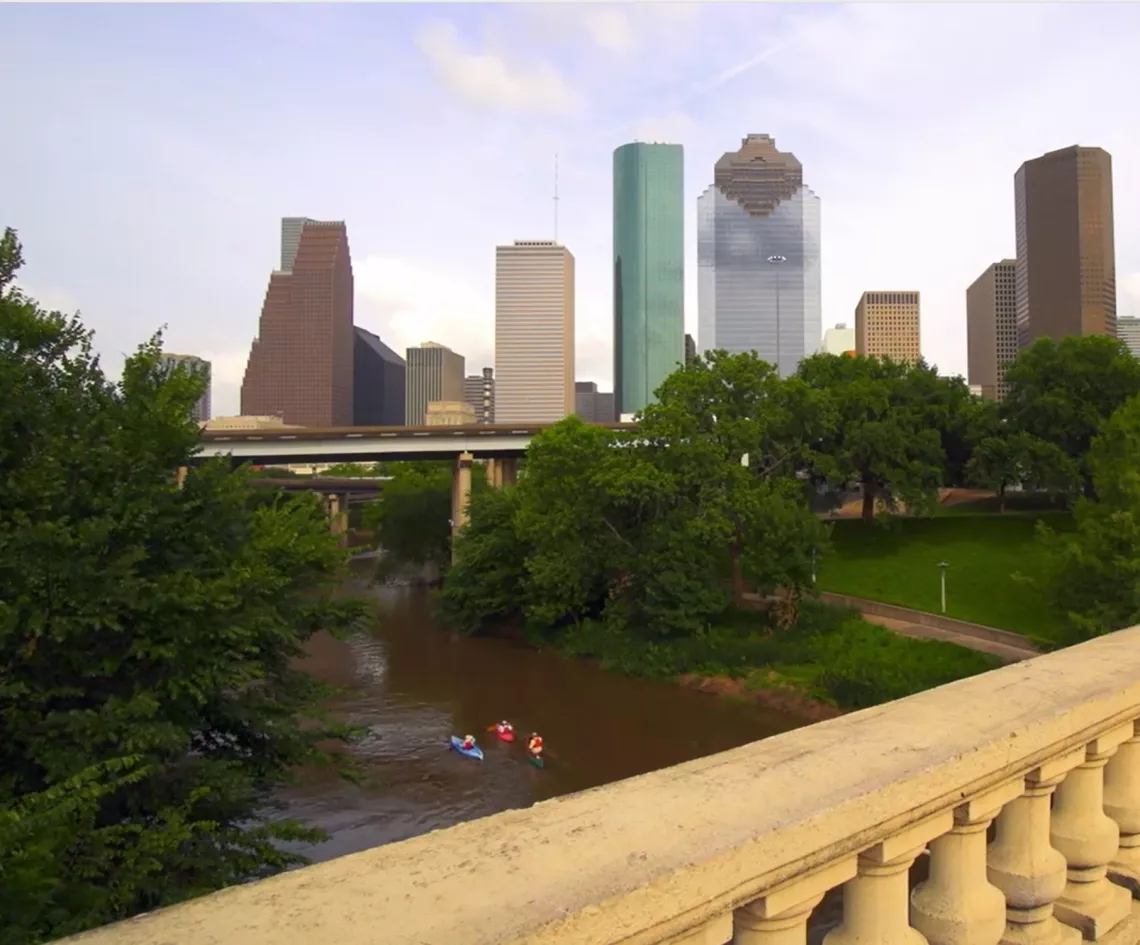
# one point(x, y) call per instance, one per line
point(743, 845)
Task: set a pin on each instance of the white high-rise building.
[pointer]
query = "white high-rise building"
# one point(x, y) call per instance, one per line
point(758, 253)
point(1128, 331)
point(838, 340)
point(534, 332)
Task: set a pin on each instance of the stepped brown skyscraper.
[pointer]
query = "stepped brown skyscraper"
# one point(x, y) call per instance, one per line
point(301, 364)
point(1066, 258)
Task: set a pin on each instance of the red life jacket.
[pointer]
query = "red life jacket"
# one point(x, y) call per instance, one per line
point(536, 743)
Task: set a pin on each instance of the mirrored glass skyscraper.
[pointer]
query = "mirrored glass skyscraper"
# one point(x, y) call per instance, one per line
point(758, 255)
point(649, 266)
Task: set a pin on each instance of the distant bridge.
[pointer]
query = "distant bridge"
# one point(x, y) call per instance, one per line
point(362, 444)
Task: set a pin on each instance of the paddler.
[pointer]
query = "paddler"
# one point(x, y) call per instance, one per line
point(503, 727)
point(468, 742)
point(534, 745)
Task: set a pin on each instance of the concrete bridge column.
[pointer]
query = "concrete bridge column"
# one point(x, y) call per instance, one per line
point(494, 473)
point(1122, 804)
point(337, 506)
point(1024, 865)
point(180, 476)
point(1089, 839)
point(460, 492)
point(508, 471)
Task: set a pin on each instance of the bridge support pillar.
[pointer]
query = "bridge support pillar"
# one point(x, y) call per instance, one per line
point(460, 492)
point(508, 471)
point(494, 470)
point(337, 506)
point(180, 476)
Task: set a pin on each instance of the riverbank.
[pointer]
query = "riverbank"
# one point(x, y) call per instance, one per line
point(831, 659)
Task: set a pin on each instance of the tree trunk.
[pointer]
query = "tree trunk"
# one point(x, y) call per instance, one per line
point(868, 501)
point(1001, 499)
point(738, 586)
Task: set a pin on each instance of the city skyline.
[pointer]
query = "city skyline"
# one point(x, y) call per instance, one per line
point(915, 176)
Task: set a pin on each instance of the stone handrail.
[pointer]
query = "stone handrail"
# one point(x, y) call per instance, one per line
point(742, 845)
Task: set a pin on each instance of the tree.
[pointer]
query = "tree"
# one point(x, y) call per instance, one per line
point(1094, 572)
point(734, 435)
point(886, 436)
point(412, 517)
point(149, 704)
point(1008, 457)
point(1063, 391)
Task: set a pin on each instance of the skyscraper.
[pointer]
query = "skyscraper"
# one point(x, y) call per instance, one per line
point(887, 326)
point(378, 382)
point(201, 411)
point(479, 392)
point(1066, 257)
point(534, 332)
point(1128, 331)
point(839, 340)
point(593, 405)
point(758, 253)
point(301, 364)
point(434, 374)
point(649, 265)
point(991, 327)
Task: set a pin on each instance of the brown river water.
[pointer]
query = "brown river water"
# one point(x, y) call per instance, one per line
point(413, 685)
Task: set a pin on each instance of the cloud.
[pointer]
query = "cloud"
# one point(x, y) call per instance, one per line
point(609, 29)
point(408, 302)
point(488, 80)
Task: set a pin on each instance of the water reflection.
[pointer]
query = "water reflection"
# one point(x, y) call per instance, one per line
point(413, 686)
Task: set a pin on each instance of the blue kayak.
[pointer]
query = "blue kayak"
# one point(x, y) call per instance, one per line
point(474, 752)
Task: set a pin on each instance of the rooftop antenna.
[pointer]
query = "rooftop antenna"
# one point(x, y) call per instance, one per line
point(556, 197)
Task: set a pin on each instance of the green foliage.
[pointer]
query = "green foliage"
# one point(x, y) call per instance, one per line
point(149, 704)
point(412, 518)
point(886, 437)
point(863, 664)
point(1010, 457)
point(1063, 391)
point(1094, 573)
point(356, 470)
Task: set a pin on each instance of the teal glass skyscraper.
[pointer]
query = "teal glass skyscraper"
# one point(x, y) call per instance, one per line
point(649, 270)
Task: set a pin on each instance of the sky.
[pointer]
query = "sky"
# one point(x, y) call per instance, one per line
point(150, 151)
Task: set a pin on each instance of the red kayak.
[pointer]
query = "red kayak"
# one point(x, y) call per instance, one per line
point(506, 736)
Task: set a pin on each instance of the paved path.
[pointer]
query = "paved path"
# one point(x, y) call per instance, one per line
point(1008, 653)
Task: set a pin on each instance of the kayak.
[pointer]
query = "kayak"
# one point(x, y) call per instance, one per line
point(474, 752)
point(506, 736)
point(537, 761)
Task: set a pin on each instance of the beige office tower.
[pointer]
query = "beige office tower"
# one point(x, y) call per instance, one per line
point(991, 327)
point(534, 332)
point(1066, 258)
point(433, 373)
point(887, 326)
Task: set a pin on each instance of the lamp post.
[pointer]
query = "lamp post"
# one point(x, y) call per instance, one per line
point(942, 566)
point(813, 565)
point(775, 261)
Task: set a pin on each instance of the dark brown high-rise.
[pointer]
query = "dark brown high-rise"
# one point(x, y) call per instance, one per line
point(301, 365)
point(1066, 258)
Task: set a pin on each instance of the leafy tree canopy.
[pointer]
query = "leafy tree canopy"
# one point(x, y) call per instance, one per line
point(1063, 391)
point(1095, 573)
point(149, 704)
point(642, 530)
point(886, 434)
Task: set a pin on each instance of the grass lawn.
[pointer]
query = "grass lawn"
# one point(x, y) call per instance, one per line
point(897, 563)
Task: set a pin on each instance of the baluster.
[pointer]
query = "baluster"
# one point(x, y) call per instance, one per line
point(875, 901)
point(1023, 864)
point(780, 916)
point(958, 905)
point(1122, 804)
point(1088, 838)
